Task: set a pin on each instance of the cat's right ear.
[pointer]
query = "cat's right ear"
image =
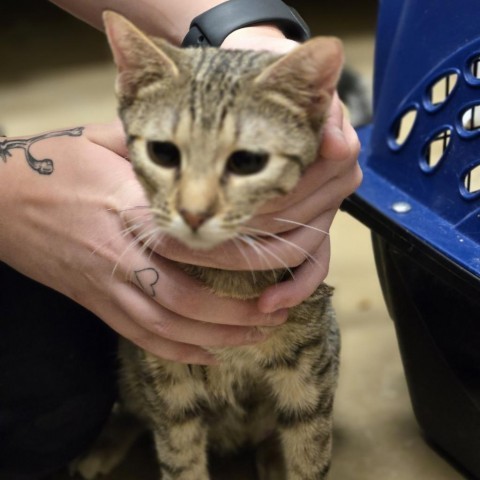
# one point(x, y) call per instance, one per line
point(139, 60)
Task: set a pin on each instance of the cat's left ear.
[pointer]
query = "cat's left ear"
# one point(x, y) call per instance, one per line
point(138, 58)
point(309, 73)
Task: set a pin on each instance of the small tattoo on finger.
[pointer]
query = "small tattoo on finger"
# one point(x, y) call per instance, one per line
point(147, 278)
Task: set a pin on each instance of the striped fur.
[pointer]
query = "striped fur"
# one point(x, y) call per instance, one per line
point(283, 387)
point(211, 103)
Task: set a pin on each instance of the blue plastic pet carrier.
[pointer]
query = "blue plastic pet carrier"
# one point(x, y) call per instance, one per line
point(421, 199)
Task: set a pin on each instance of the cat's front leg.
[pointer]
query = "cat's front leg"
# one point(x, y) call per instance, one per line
point(171, 398)
point(307, 445)
point(182, 449)
point(304, 418)
point(111, 447)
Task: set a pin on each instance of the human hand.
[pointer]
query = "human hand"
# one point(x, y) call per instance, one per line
point(63, 228)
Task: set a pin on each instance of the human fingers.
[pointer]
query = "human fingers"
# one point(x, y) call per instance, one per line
point(126, 326)
point(321, 200)
point(144, 316)
point(292, 248)
point(292, 292)
point(341, 176)
point(159, 322)
point(185, 296)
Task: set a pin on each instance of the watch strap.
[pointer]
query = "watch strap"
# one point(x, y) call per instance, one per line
point(213, 26)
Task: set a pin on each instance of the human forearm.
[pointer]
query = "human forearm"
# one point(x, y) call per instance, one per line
point(166, 18)
point(11, 175)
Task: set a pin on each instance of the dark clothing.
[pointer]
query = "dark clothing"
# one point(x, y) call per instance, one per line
point(57, 377)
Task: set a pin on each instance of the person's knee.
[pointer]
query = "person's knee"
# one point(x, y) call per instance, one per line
point(57, 377)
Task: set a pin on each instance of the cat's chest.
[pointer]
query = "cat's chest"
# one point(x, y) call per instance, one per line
point(229, 383)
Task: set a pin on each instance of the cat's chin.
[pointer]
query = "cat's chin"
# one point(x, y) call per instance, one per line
point(196, 241)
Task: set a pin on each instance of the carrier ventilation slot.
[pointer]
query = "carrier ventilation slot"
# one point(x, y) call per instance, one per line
point(472, 180)
point(442, 89)
point(471, 118)
point(475, 67)
point(436, 148)
point(404, 126)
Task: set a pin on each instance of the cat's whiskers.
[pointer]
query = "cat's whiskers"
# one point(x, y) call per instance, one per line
point(299, 224)
point(157, 234)
point(124, 232)
point(128, 209)
point(254, 241)
point(144, 218)
point(155, 231)
point(262, 233)
point(156, 237)
point(235, 241)
point(134, 225)
point(143, 238)
point(151, 236)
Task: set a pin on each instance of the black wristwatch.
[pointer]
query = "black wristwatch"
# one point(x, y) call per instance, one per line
point(213, 26)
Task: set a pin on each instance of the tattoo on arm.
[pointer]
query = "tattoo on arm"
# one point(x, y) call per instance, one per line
point(147, 279)
point(45, 166)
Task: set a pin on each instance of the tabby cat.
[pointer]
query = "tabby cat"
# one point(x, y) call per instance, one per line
point(213, 134)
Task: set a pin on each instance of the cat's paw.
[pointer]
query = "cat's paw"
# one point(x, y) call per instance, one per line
point(96, 463)
point(110, 448)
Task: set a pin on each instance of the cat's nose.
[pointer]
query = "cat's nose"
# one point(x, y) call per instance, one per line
point(194, 219)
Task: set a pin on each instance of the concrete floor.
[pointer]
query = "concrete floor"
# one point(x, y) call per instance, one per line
point(376, 437)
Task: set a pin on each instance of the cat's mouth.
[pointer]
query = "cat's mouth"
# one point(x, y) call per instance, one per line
point(206, 237)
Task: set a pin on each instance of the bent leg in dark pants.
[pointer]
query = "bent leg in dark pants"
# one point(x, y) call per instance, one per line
point(57, 378)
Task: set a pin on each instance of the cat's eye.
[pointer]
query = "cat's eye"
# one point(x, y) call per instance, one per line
point(243, 162)
point(165, 154)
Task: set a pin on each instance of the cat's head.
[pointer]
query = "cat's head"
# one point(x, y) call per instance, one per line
point(213, 134)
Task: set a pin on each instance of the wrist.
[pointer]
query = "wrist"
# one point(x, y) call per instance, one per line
point(180, 25)
point(243, 36)
point(228, 23)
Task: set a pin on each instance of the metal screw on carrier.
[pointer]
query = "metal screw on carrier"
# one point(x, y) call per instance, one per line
point(401, 207)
